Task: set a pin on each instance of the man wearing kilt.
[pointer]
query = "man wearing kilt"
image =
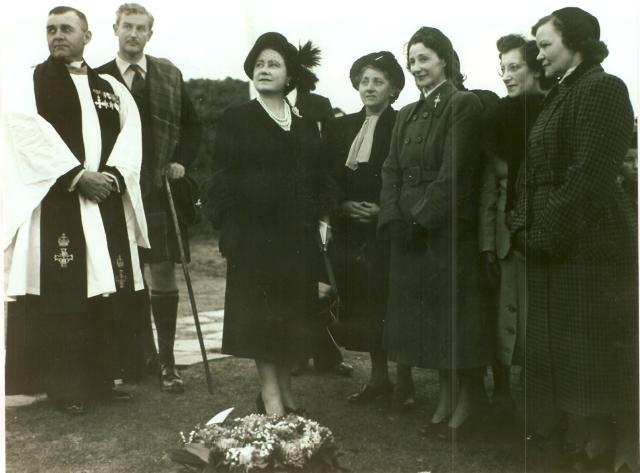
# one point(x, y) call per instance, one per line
point(171, 133)
point(73, 220)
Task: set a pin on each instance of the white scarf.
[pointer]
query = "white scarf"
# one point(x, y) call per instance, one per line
point(360, 150)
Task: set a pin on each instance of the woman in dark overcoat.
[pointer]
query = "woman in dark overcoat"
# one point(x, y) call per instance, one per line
point(430, 181)
point(358, 145)
point(580, 234)
point(267, 199)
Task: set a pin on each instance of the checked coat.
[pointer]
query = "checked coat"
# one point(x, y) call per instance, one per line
point(581, 238)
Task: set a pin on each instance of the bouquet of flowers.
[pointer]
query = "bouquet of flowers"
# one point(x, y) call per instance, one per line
point(257, 442)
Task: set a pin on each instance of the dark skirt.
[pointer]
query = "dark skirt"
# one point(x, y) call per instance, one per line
point(272, 312)
point(362, 270)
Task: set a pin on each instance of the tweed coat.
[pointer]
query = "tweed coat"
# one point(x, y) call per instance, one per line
point(266, 197)
point(360, 255)
point(581, 238)
point(435, 315)
point(175, 129)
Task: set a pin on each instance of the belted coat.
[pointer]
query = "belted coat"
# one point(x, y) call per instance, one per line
point(435, 313)
point(581, 244)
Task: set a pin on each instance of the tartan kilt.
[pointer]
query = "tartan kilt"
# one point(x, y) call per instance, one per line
point(582, 340)
point(162, 234)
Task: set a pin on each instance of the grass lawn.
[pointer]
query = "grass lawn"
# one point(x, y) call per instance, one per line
point(130, 437)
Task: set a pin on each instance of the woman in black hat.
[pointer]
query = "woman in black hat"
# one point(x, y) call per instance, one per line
point(435, 315)
point(267, 197)
point(358, 144)
point(578, 228)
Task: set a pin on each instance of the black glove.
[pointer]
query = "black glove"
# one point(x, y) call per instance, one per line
point(417, 237)
point(519, 241)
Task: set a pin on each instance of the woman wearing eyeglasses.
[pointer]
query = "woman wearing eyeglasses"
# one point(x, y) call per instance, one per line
point(506, 129)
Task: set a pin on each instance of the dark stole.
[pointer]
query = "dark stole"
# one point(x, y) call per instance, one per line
point(63, 263)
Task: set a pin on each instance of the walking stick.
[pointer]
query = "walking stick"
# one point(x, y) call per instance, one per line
point(187, 278)
point(324, 246)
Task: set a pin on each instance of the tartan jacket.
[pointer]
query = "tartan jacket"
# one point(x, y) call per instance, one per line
point(175, 127)
point(569, 199)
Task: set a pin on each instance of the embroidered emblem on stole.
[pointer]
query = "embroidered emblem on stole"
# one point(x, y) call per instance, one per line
point(121, 280)
point(64, 257)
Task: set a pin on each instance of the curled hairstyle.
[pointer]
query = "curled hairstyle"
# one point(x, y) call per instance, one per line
point(437, 41)
point(133, 9)
point(396, 92)
point(61, 10)
point(529, 51)
point(574, 38)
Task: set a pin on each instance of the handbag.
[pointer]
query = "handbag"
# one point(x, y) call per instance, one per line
point(187, 200)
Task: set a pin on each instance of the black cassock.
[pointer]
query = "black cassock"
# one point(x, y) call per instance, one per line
point(61, 341)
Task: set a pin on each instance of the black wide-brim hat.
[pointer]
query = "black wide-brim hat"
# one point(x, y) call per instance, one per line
point(279, 43)
point(383, 61)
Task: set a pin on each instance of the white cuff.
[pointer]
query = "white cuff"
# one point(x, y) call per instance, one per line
point(114, 179)
point(74, 183)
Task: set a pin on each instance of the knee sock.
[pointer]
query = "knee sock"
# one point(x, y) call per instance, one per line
point(164, 305)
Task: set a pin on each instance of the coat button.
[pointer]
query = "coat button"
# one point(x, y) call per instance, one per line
point(414, 117)
point(425, 114)
point(511, 308)
point(419, 139)
point(407, 141)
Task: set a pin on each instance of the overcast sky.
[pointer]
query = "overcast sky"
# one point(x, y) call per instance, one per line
point(210, 39)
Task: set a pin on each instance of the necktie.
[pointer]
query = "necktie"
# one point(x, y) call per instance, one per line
point(138, 82)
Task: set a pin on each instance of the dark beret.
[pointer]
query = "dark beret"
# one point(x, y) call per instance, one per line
point(581, 24)
point(383, 61)
point(279, 43)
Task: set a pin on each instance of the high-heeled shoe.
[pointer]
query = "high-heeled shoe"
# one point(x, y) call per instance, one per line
point(370, 392)
point(462, 432)
point(300, 411)
point(260, 404)
point(404, 396)
point(433, 429)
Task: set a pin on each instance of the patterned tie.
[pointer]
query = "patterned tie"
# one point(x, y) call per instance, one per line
point(138, 82)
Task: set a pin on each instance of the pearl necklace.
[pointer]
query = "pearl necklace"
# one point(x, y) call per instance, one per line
point(283, 122)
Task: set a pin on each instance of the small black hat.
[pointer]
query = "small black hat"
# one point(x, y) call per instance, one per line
point(382, 60)
point(580, 24)
point(279, 43)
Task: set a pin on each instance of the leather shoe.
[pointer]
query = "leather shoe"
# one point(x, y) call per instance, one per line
point(343, 369)
point(171, 381)
point(433, 429)
point(370, 393)
point(73, 408)
point(260, 404)
point(115, 395)
point(404, 396)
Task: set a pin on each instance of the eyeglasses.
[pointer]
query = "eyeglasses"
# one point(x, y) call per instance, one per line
point(510, 69)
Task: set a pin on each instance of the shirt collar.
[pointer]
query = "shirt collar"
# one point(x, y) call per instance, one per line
point(426, 94)
point(567, 74)
point(124, 65)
